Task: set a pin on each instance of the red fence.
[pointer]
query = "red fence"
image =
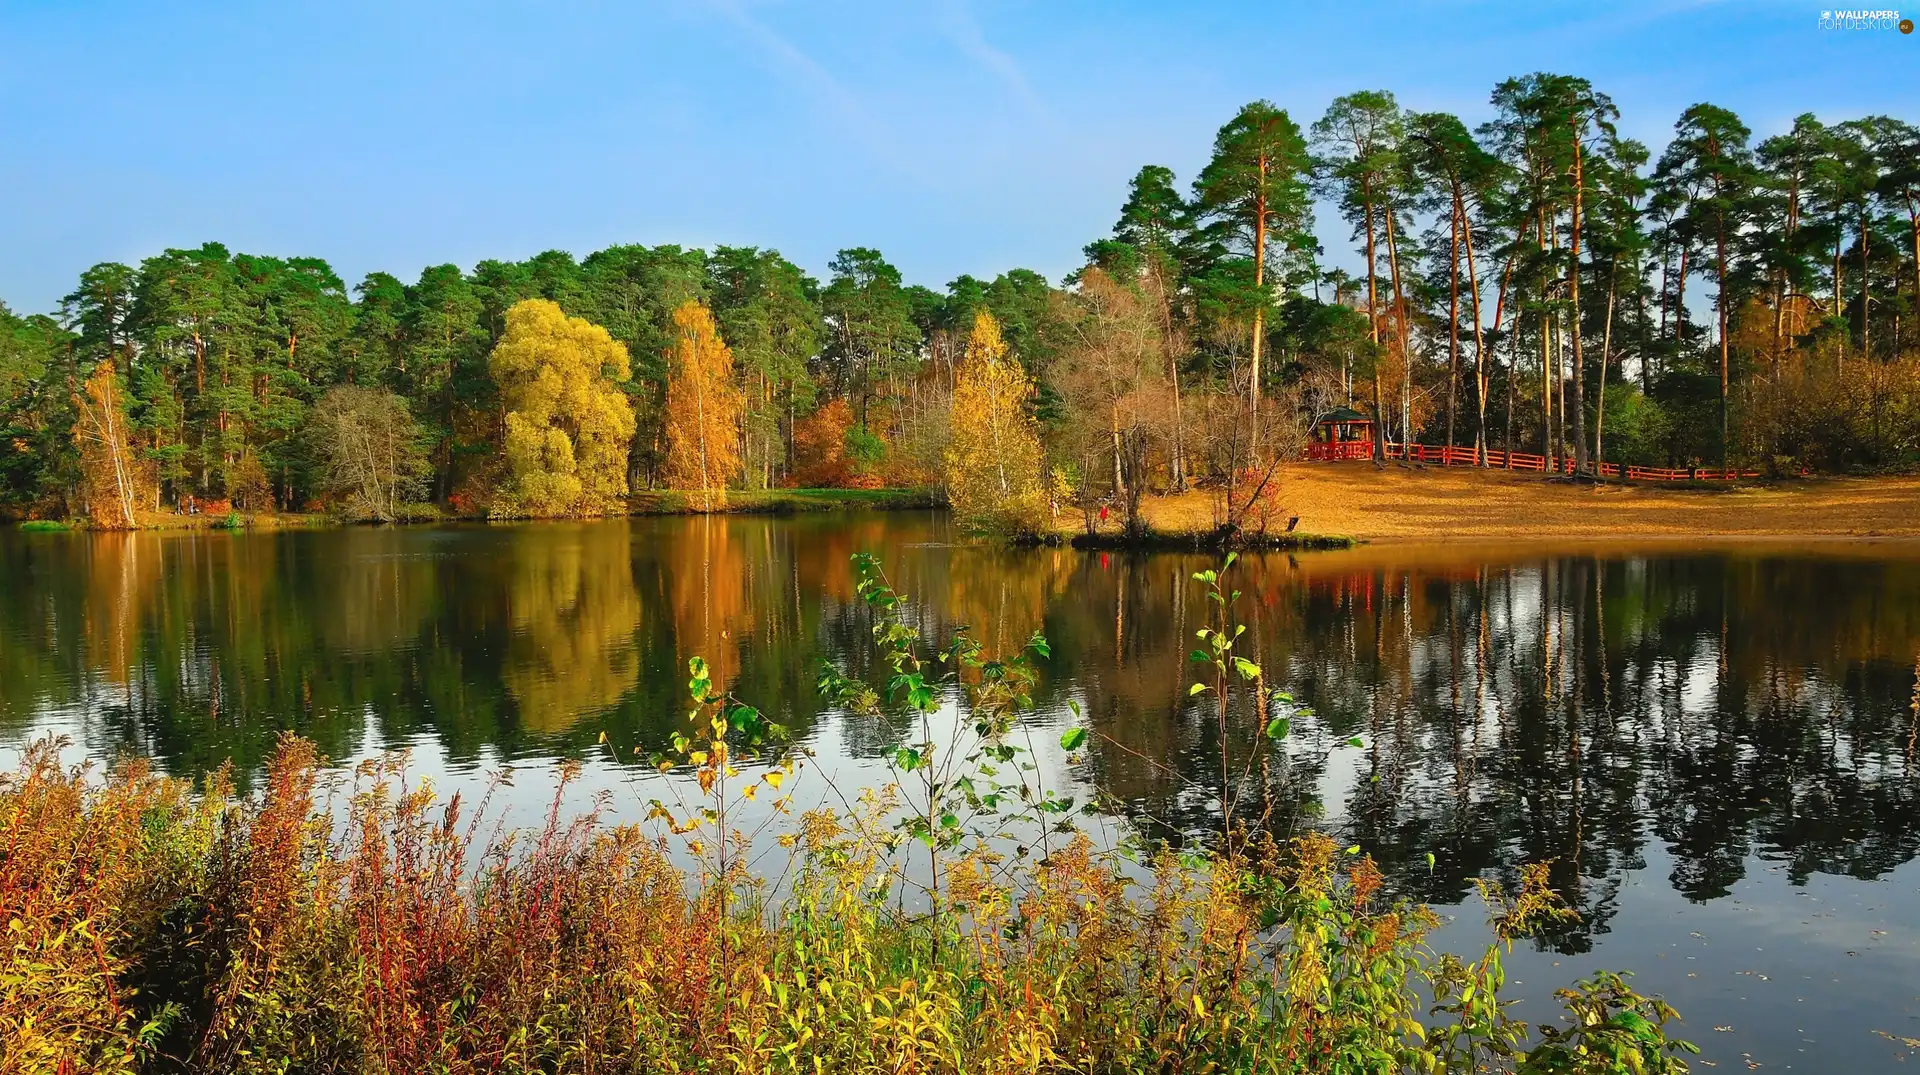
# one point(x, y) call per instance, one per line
point(1321, 452)
point(1464, 457)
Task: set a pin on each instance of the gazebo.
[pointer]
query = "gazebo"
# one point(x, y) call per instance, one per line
point(1342, 433)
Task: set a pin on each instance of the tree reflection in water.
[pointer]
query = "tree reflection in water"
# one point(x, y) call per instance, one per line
point(1514, 705)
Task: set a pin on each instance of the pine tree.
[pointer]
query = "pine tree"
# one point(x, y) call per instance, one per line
point(1255, 189)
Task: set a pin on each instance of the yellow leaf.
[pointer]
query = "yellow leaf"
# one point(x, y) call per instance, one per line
point(567, 424)
point(703, 409)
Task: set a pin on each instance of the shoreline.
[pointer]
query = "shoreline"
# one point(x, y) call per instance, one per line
point(1343, 505)
point(651, 503)
point(1415, 505)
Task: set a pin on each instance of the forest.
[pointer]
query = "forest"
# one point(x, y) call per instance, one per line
point(1539, 283)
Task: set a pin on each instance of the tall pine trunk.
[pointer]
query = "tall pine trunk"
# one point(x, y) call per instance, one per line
point(1453, 319)
point(1400, 319)
point(1720, 258)
point(1479, 349)
point(1373, 330)
point(1573, 295)
point(1606, 352)
point(1866, 286)
point(1260, 310)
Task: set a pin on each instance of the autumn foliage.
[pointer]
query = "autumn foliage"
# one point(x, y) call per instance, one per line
point(568, 424)
point(157, 927)
point(703, 409)
point(821, 456)
point(107, 463)
point(993, 460)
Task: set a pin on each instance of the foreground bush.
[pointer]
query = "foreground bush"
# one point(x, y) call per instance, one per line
point(153, 926)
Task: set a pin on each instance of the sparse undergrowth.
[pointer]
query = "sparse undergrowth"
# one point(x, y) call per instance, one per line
point(953, 920)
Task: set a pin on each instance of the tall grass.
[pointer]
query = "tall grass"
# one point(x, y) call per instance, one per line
point(154, 926)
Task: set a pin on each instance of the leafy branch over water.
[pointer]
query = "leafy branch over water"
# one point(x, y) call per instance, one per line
point(155, 927)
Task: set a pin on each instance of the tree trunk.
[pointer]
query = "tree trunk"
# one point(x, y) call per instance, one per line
point(1373, 330)
point(1178, 463)
point(1479, 351)
point(1913, 221)
point(1513, 358)
point(1866, 290)
point(1573, 296)
point(1720, 300)
point(1606, 352)
point(1400, 330)
point(1780, 275)
point(1453, 318)
point(1646, 354)
point(1546, 358)
point(1680, 294)
point(1513, 368)
point(1260, 310)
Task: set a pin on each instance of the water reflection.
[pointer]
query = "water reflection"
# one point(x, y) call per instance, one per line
point(1707, 711)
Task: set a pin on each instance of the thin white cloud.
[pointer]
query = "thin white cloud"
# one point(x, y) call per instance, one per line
point(963, 30)
point(850, 112)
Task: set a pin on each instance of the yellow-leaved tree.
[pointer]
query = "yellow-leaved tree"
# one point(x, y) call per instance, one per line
point(107, 464)
point(993, 461)
point(568, 422)
point(703, 409)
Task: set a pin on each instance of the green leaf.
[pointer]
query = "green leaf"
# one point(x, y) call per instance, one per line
point(1072, 739)
point(745, 719)
point(1278, 727)
point(1198, 657)
point(1355, 742)
point(1246, 668)
point(1196, 689)
point(908, 759)
point(1354, 850)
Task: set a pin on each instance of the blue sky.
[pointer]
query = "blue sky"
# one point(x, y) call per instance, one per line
point(958, 137)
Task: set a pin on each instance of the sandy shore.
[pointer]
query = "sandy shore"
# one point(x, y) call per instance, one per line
point(1429, 504)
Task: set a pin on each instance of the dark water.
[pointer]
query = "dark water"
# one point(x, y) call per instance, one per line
point(1715, 747)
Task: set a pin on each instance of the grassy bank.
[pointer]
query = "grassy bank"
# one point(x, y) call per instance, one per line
point(650, 502)
point(783, 501)
point(1427, 504)
point(163, 520)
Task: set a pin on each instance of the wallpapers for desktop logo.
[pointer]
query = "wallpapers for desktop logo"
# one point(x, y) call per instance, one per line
point(1865, 19)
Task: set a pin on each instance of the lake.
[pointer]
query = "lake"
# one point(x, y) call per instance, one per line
point(1715, 746)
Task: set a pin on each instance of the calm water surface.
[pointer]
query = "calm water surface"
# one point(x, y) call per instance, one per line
point(1715, 748)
